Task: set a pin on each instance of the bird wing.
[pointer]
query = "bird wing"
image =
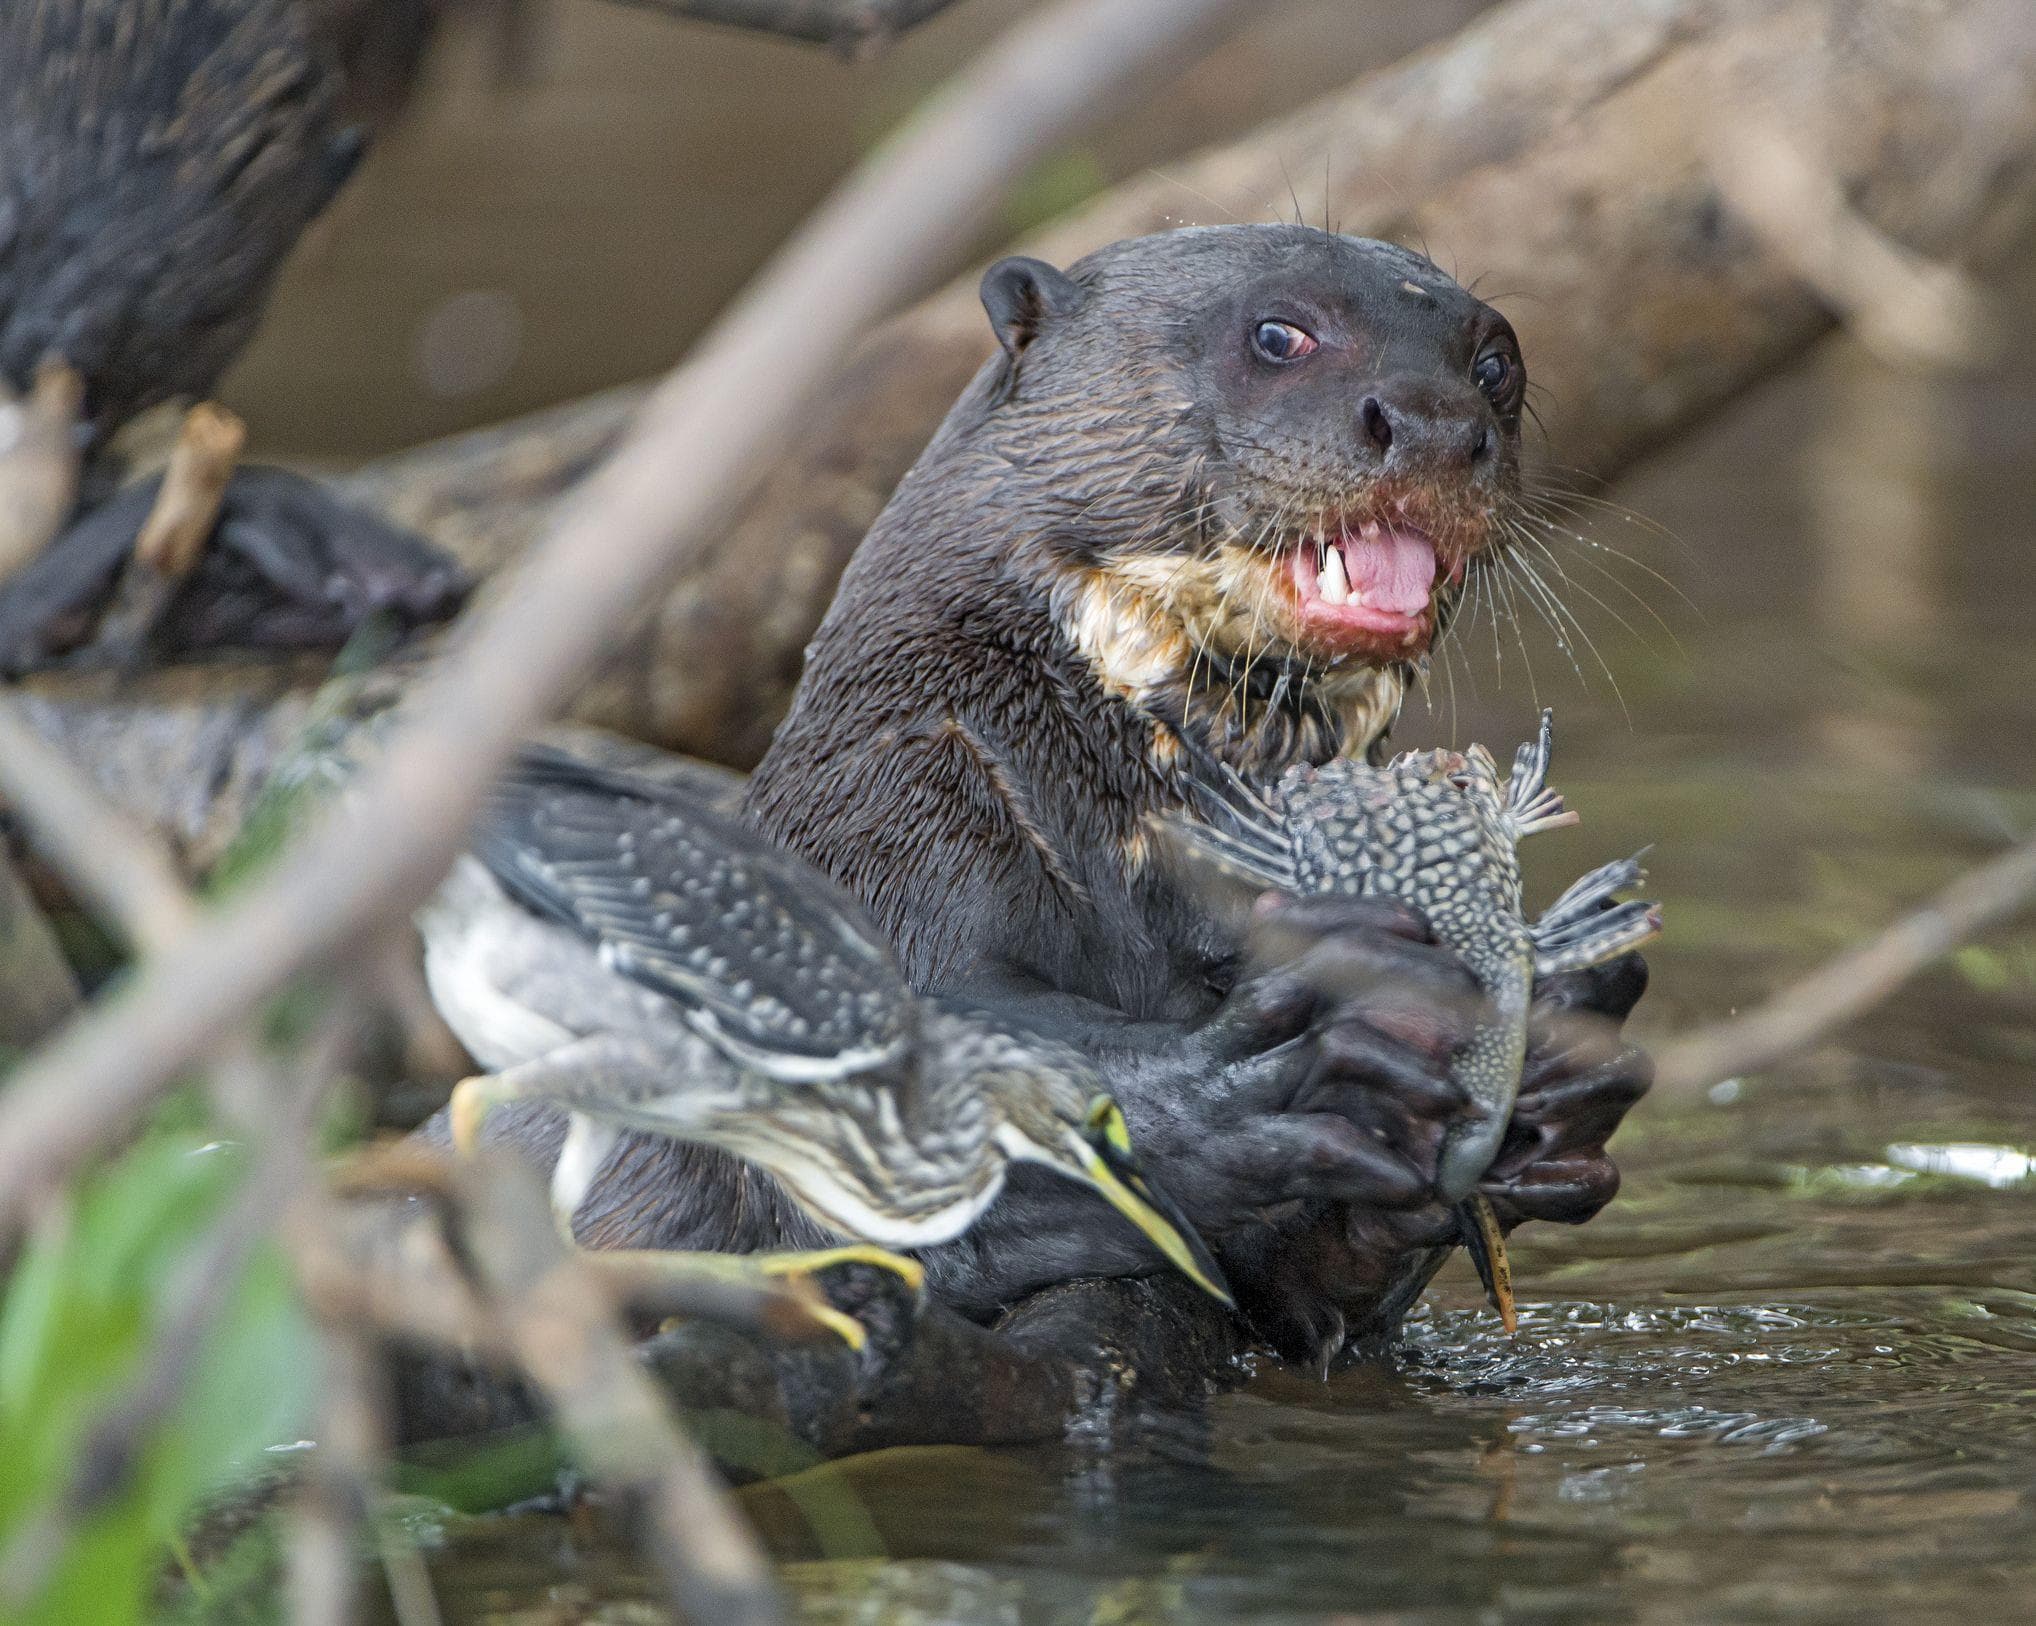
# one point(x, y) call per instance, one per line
point(765, 957)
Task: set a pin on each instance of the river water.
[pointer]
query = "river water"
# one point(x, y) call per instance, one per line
point(1791, 1374)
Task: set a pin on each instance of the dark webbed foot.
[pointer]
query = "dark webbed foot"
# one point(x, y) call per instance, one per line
point(289, 566)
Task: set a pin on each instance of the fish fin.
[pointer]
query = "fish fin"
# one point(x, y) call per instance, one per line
point(1530, 805)
point(1582, 898)
point(1231, 824)
point(1596, 939)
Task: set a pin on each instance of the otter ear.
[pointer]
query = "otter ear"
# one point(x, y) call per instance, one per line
point(1022, 296)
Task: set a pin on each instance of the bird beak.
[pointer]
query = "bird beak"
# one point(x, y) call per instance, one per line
point(1104, 1148)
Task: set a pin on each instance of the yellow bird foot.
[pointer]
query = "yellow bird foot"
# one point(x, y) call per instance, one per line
point(812, 1261)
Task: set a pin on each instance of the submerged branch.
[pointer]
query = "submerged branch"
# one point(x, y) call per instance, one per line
point(1857, 980)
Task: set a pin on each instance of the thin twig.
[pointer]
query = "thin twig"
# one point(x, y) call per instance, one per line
point(337, 1501)
point(700, 444)
point(38, 992)
point(120, 873)
point(563, 1326)
point(421, 1301)
point(1841, 989)
point(779, 1311)
point(858, 28)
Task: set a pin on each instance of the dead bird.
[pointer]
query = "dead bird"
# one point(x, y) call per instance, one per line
point(1438, 831)
point(615, 946)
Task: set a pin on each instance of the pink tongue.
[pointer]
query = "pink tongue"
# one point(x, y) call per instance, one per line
point(1395, 570)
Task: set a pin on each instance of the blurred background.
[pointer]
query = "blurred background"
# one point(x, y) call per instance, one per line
point(1790, 1370)
point(523, 240)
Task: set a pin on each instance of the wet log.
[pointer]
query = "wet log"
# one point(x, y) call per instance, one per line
point(1563, 155)
point(1094, 1357)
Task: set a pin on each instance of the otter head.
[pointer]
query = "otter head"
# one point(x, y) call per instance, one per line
point(1264, 458)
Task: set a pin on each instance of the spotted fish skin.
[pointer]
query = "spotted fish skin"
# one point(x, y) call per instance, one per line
point(1438, 831)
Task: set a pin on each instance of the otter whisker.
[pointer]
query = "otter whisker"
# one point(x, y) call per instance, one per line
point(1551, 528)
point(1520, 638)
point(1521, 563)
point(1541, 546)
point(1545, 605)
point(1487, 594)
point(1241, 690)
point(1502, 584)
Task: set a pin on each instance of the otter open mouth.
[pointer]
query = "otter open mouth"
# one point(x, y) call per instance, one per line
point(1367, 589)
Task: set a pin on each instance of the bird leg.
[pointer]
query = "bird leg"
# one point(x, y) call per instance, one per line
point(172, 537)
point(797, 1271)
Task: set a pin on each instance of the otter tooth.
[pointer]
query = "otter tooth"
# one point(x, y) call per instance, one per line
point(1335, 583)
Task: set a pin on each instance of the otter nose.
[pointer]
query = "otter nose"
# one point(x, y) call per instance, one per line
point(1426, 435)
point(1378, 424)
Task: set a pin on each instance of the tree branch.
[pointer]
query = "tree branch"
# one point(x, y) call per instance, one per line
point(1857, 980)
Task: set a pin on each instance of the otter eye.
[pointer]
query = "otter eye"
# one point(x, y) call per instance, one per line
point(1494, 372)
point(1282, 341)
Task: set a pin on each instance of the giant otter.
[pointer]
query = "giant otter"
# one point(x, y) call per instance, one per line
point(1217, 492)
